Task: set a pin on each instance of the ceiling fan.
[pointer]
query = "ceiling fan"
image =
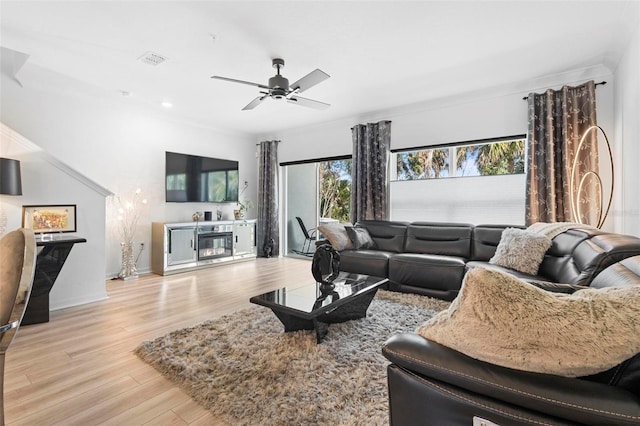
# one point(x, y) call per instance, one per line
point(279, 88)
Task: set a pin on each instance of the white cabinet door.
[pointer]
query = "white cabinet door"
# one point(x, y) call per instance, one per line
point(181, 245)
point(244, 239)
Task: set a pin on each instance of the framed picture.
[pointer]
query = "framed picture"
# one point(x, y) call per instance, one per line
point(50, 218)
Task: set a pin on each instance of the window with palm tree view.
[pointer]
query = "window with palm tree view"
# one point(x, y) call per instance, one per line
point(335, 189)
point(500, 157)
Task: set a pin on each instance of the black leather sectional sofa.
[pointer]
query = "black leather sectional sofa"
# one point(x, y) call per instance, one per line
point(431, 258)
point(431, 384)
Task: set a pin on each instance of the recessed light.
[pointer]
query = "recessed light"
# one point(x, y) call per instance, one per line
point(166, 104)
point(125, 93)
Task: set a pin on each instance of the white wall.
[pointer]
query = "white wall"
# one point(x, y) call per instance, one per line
point(484, 114)
point(47, 181)
point(626, 212)
point(118, 144)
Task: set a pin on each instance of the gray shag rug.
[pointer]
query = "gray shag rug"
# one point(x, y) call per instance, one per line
point(247, 371)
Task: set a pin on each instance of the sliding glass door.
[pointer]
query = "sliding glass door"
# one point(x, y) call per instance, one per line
point(302, 208)
point(317, 192)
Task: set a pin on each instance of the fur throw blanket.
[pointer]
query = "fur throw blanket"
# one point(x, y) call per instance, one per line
point(502, 320)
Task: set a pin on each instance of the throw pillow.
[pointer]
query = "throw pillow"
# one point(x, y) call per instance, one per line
point(503, 320)
point(337, 235)
point(521, 250)
point(360, 238)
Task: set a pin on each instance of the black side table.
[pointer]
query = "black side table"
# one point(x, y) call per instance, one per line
point(49, 263)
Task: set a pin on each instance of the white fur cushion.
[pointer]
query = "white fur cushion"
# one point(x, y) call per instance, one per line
point(500, 319)
point(337, 235)
point(521, 250)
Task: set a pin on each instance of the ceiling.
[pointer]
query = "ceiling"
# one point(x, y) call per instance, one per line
point(380, 54)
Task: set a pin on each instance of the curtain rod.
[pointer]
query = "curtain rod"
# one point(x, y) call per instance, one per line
point(258, 144)
point(597, 84)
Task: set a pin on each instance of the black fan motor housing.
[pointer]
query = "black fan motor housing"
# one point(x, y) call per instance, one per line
point(279, 86)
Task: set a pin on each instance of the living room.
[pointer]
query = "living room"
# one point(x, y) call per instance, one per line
point(116, 143)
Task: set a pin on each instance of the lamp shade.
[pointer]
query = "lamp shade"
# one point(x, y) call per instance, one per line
point(10, 179)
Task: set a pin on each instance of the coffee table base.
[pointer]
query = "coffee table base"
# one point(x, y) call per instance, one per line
point(355, 309)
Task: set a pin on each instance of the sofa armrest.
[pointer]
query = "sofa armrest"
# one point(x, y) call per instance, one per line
point(567, 398)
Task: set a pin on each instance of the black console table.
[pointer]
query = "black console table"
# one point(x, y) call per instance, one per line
point(49, 263)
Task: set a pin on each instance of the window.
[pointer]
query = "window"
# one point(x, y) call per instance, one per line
point(496, 157)
point(335, 189)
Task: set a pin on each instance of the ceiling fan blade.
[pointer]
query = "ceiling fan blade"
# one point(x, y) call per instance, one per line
point(233, 80)
point(314, 77)
point(254, 103)
point(307, 102)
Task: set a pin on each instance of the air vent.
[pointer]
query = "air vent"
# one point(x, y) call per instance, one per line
point(152, 58)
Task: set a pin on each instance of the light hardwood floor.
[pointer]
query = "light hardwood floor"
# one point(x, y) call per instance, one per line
point(79, 368)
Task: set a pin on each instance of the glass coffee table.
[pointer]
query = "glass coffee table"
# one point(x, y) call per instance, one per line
point(306, 307)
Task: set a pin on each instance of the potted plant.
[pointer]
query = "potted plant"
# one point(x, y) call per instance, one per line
point(243, 206)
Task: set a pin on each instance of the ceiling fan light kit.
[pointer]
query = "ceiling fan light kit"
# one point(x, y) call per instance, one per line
point(279, 88)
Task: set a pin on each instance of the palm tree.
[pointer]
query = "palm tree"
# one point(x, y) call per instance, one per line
point(423, 164)
point(335, 189)
point(501, 158)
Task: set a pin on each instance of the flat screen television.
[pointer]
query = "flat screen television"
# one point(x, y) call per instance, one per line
point(195, 179)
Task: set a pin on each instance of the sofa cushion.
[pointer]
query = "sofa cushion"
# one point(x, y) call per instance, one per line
point(521, 275)
point(485, 240)
point(452, 239)
point(388, 235)
point(500, 319)
point(360, 238)
point(431, 271)
point(337, 235)
point(369, 262)
point(521, 250)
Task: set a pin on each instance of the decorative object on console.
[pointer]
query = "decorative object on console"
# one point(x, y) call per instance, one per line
point(521, 250)
point(500, 319)
point(129, 212)
point(325, 266)
point(10, 184)
point(49, 218)
point(586, 176)
point(242, 208)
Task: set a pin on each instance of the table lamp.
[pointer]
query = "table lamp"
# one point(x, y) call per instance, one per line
point(10, 184)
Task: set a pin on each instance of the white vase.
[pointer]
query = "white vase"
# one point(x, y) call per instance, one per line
point(128, 270)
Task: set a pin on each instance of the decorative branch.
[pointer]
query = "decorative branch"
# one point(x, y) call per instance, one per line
point(129, 214)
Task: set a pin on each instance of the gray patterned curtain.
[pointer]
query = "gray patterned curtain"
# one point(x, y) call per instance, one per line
point(557, 121)
point(268, 224)
point(371, 143)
